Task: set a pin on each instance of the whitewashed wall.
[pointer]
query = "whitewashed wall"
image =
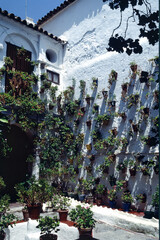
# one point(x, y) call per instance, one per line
point(87, 26)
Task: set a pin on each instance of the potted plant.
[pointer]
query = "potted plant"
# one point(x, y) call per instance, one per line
point(89, 147)
point(141, 197)
point(33, 193)
point(62, 205)
point(47, 225)
point(112, 180)
point(94, 82)
point(112, 77)
point(132, 166)
point(133, 67)
point(88, 98)
point(112, 196)
point(100, 189)
point(127, 199)
point(122, 166)
point(105, 93)
point(84, 221)
point(122, 115)
point(155, 202)
point(88, 123)
point(144, 77)
point(6, 221)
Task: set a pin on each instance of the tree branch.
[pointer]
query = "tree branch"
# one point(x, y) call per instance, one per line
point(118, 25)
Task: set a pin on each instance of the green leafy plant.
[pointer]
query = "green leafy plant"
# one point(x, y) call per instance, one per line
point(83, 217)
point(48, 224)
point(155, 197)
point(34, 191)
point(6, 221)
point(112, 194)
point(133, 99)
point(63, 203)
point(127, 197)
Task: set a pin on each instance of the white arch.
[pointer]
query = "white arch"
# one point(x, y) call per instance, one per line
point(20, 40)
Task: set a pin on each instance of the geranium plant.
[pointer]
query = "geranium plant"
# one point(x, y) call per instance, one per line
point(83, 217)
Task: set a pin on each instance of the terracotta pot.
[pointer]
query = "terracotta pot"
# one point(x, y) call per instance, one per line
point(88, 123)
point(34, 211)
point(25, 214)
point(133, 68)
point(85, 232)
point(48, 237)
point(88, 99)
point(105, 94)
point(2, 235)
point(105, 122)
point(89, 147)
point(63, 215)
point(99, 202)
point(132, 171)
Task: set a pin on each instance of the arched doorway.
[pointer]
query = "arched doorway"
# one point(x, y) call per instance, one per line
point(14, 168)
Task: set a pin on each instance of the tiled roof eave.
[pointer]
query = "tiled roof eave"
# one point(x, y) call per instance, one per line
point(30, 25)
point(55, 12)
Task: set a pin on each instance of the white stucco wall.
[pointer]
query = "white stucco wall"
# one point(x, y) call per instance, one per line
point(87, 26)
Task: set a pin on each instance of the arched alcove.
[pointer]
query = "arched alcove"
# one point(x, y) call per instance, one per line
point(14, 168)
point(20, 41)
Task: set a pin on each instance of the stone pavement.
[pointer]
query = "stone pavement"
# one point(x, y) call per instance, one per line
point(104, 230)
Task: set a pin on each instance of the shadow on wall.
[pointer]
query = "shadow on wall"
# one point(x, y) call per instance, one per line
point(73, 12)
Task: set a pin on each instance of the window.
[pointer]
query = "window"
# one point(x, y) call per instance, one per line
point(53, 77)
point(18, 55)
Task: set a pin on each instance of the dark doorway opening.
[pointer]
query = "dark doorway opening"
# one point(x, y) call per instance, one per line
point(14, 168)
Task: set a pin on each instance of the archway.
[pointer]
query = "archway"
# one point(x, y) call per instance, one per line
point(14, 168)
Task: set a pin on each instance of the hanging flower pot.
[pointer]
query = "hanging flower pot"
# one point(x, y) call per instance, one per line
point(96, 108)
point(88, 99)
point(112, 104)
point(133, 67)
point(124, 87)
point(105, 94)
point(156, 169)
point(83, 109)
point(144, 77)
point(132, 171)
point(156, 95)
point(146, 111)
point(95, 82)
point(114, 131)
point(135, 127)
point(112, 157)
point(89, 146)
point(123, 115)
point(88, 123)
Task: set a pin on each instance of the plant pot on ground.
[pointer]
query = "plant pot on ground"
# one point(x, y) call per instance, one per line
point(127, 199)
point(84, 221)
point(62, 205)
point(47, 225)
point(25, 214)
point(33, 193)
point(112, 196)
